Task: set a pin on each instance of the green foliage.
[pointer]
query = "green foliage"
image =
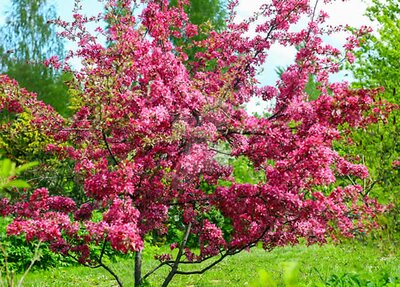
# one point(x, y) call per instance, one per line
point(311, 88)
point(203, 11)
point(22, 142)
point(378, 146)
point(244, 172)
point(46, 83)
point(20, 253)
point(9, 183)
point(21, 137)
point(207, 15)
point(354, 280)
point(377, 59)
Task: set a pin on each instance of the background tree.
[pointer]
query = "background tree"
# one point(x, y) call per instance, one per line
point(207, 15)
point(27, 40)
point(212, 11)
point(378, 146)
point(377, 59)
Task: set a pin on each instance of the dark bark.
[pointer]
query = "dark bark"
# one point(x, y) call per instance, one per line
point(174, 267)
point(112, 273)
point(138, 269)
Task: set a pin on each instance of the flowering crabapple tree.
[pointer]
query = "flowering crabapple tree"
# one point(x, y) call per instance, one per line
point(150, 124)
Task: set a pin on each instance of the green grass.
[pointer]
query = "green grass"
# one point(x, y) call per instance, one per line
point(327, 265)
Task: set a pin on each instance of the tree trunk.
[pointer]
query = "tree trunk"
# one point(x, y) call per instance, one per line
point(138, 268)
point(172, 273)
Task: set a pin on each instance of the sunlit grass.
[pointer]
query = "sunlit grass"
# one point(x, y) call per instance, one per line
point(317, 266)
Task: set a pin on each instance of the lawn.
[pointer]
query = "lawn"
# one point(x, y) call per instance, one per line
point(350, 264)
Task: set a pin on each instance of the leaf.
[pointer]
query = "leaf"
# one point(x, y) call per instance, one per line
point(18, 183)
point(5, 168)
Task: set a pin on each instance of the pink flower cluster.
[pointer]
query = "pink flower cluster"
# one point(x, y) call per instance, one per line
point(155, 134)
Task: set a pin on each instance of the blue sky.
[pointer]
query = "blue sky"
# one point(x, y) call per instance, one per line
point(341, 12)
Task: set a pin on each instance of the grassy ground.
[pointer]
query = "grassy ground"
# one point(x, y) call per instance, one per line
point(351, 264)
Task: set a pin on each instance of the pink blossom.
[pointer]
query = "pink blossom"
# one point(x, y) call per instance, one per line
point(53, 61)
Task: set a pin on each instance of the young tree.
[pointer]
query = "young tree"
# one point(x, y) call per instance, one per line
point(150, 124)
point(27, 40)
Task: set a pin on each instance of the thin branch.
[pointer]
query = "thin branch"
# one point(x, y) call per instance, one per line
point(112, 273)
point(221, 152)
point(367, 190)
point(155, 269)
point(204, 269)
point(103, 249)
point(100, 264)
point(351, 180)
point(247, 67)
point(277, 114)
point(109, 149)
point(312, 19)
point(229, 252)
point(9, 278)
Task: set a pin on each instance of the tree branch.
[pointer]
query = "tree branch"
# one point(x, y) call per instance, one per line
point(103, 249)
point(174, 269)
point(112, 273)
point(204, 269)
point(108, 148)
point(156, 268)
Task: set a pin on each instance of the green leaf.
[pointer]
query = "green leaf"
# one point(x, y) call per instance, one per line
point(18, 183)
point(5, 168)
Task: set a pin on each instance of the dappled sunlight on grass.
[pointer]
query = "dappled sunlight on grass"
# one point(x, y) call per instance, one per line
point(317, 266)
